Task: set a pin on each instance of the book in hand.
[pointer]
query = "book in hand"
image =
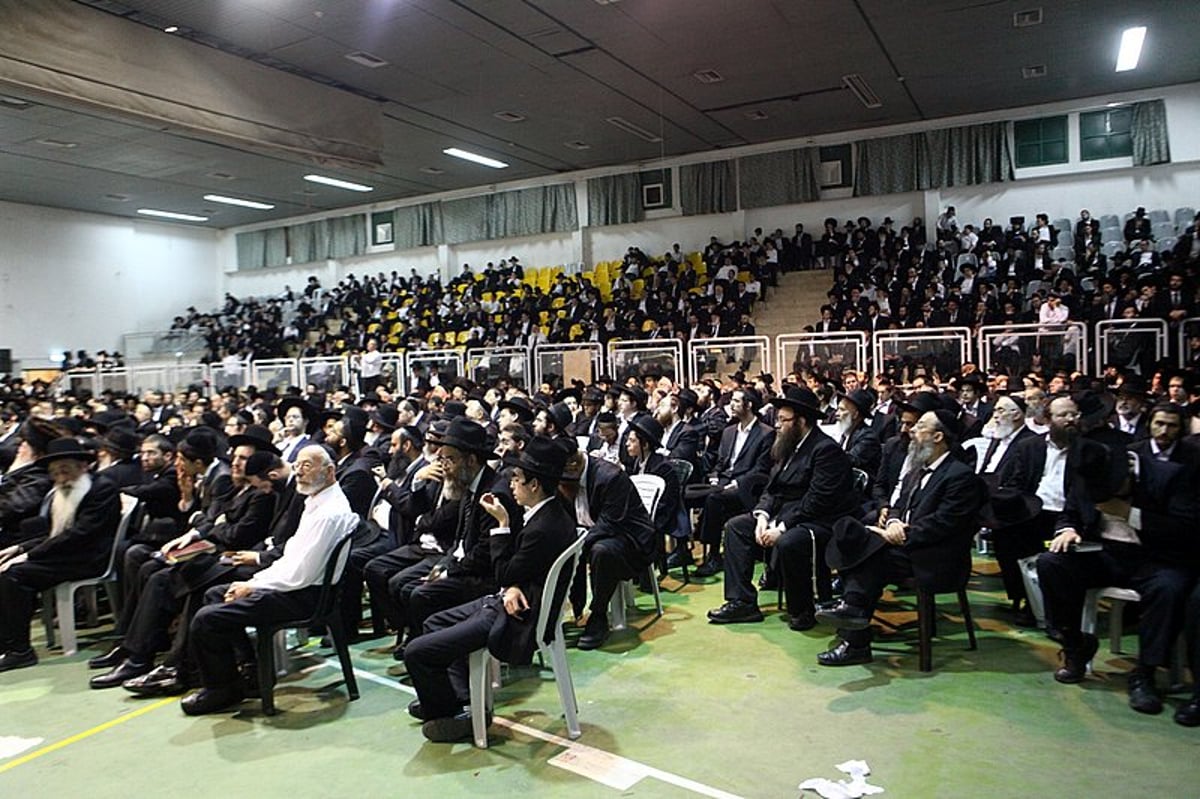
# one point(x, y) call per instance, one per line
point(185, 553)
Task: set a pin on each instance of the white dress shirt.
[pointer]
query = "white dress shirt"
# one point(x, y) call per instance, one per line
point(327, 517)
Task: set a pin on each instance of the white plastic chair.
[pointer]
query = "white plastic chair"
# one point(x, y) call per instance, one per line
point(64, 593)
point(1117, 597)
point(650, 488)
point(484, 669)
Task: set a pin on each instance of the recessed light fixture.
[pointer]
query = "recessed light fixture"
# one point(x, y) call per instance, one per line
point(117, 198)
point(217, 198)
point(172, 215)
point(578, 144)
point(636, 130)
point(363, 58)
point(859, 87)
point(15, 102)
point(338, 184)
point(466, 155)
point(58, 143)
point(432, 170)
point(171, 29)
point(756, 115)
point(1131, 48)
point(508, 116)
point(1033, 71)
point(708, 76)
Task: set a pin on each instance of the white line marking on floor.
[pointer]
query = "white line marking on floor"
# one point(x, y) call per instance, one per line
point(614, 771)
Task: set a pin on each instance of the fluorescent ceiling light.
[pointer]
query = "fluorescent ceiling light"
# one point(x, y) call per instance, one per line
point(171, 29)
point(339, 184)
point(172, 215)
point(217, 198)
point(1131, 48)
point(475, 157)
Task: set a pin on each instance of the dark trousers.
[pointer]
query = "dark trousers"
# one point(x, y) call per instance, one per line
point(1191, 630)
point(351, 587)
point(609, 560)
point(1017, 542)
point(218, 632)
point(19, 587)
point(391, 576)
point(1066, 576)
point(719, 507)
point(147, 632)
point(427, 598)
point(137, 566)
point(865, 582)
point(437, 659)
point(793, 557)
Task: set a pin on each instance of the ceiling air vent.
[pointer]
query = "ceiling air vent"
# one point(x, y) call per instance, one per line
point(757, 116)
point(865, 94)
point(508, 116)
point(708, 76)
point(578, 145)
point(432, 170)
point(1027, 19)
point(15, 103)
point(1035, 71)
point(636, 130)
point(117, 198)
point(366, 59)
point(219, 176)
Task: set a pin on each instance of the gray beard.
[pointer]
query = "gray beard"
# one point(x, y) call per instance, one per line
point(919, 456)
point(995, 429)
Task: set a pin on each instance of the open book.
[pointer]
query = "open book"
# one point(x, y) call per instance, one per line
point(181, 554)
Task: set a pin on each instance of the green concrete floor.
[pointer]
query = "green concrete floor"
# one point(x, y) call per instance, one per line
point(672, 707)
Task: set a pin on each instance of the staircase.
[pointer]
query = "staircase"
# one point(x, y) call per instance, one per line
point(796, 302)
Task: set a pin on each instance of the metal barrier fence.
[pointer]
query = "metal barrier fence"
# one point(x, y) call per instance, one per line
point(326, 373)
point(1189, 332)
point(795, 351)
point(272, 374)
point(393, 373)
point(444, 365)
point(935, 354)
point(1022, 348)
point(550, 362)
point(1131, 344)
point(642, 359)
point(720, 357)
point(489, 364)
point(176, 378)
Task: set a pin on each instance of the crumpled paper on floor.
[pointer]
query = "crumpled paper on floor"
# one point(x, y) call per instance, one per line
point(854, 788)
point(11, 745)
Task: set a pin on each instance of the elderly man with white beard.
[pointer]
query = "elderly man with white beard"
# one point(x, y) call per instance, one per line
point(72, 543)
point(1005, 428)
point(854, 433)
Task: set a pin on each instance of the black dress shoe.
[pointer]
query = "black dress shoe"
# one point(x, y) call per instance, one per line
point(710, 568)
point(449, 730)
point(1189, 715)
point(594, 634)
point(126, 671)
point(110, 659)
point(1076, 659)
point(18, 660)
point(769, 581)
point(735, 612)
point(680, 557)
point(210, 700)
point(415, 710)
point(845, 655)
point(1143, 696)
point(801, 621)
point(845, 617)
point(161, 681)
point(398, 653)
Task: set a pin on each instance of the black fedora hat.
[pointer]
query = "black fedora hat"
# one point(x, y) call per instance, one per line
point(920, 402)
point(563, 394)
point(649, 427)
point(852, 544)
point(521, 406)
point(1094, 407)
point(541, 457)
point(467, 435)
point(1007, 507)
point(64, 448)
point(593, 394)
point(561, 416)
point(862, 400)
point(198, 444)
point(688, 398)
point(386, 416)
point(255, 436)
point(354, 425)
point(104, 420)
point(120, 441)
point(306, 409)
point(1134, 387)
point(635, 393)
point(437, 431)
point(801, 400)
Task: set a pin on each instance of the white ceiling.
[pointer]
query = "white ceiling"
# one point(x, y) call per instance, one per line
point(568, 65)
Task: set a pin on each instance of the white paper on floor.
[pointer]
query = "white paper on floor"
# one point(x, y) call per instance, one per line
point(854, 788)
point(11, 745)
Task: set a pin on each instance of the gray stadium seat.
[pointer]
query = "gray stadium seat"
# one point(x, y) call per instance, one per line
point(1166, 243)
point(1111, 248)
point(1158, 215)
point(1184, 217)
point(1064, 227)
point(1163, 230)
point(1112, 234)
point(1110, 220)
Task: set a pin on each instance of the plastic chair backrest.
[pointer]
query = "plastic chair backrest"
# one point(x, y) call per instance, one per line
point(683, 469)
point(861, 479)
point(554, 595)
point(333, 568)
point(650, 488)
point(129, 506)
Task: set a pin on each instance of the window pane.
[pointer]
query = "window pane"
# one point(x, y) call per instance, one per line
point(1120, 120)
point(1027, 132)
point(1054, 152)
point(1120, 144)
point(1091, 149)
point(1054, 128)
point(1029, 155)
point(1092, 124)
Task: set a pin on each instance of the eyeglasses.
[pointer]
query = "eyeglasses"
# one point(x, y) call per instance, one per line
point(1066, 415)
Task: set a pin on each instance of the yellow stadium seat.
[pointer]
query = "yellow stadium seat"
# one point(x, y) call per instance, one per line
point(544, 317)
point(557, 302)
point(743, 276)
point(464, 336)
point(488, 296)
point(589, 277)
point(648, 325)
point(639, 286)
point(498, 318)
point(394, 341)
point(576, 332)
point(561, 313)
point(545, 330)
point(478, 276)
point(374, 327)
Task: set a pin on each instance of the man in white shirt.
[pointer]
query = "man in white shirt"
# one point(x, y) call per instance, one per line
point(287, 589)
point(371, 368)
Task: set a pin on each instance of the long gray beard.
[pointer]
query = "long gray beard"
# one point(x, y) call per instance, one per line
point(65, 503)
point(996, 429)
point(919, 456)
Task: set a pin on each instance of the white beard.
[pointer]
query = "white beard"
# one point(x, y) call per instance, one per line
point(995, 429)
point(65, 503)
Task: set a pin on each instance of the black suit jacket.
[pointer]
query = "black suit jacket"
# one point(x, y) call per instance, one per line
point(942, 524)
point(891, 462)
point(21, 496)
point(1169, 497)
point(684, 443)
point(617, 511)
point(668, 506)
point(86, 545)
point(523, 559)
point(754, 458)
point(814, 485)
point(472, 526)
point(1023, 471)
point(864, 449)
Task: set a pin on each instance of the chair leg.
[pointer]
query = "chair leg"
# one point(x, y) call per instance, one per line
point(266, 669)
point(92, 601)
point(566, 688)
point(65, 602)
point(1116, 625)
point(964, 607)
point(48, 616)
point(333, 624)
point(617, 619)
point(112, 590)
point(658, 606)
point(280, 652)
point(926, 608)
point(479, 679)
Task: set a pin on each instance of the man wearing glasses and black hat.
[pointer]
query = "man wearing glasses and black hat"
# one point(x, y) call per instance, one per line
point(504, 622)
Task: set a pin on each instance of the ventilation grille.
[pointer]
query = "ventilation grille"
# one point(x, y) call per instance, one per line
point(757, 116)
point(1027, 19)
point(865, 94)
point(432, 170)
point(636, 130)
point(708, 76)
point(578, 145)
point(220, 176)
point(366, 59)
point(508, 116)
point(1035, 71)
point(15, 103)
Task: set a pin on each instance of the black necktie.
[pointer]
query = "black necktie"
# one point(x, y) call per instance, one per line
point(991, 451)
point(915, 493)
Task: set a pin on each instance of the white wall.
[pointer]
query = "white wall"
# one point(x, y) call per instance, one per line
point(79, 281)
point(655, 237)
point(555, 249)
point(900, 207)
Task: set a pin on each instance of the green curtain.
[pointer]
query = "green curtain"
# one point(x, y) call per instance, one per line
point(780, 178)
point(1151, 144)
point(418, 226)
point(347, 236)
point(252, 249)
point(308, 242)
point(465, 220)
point(708, 188)
point(560, 211)
point(963, 156)
point(615, 200)
point(890, 165)
point(277, 250)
